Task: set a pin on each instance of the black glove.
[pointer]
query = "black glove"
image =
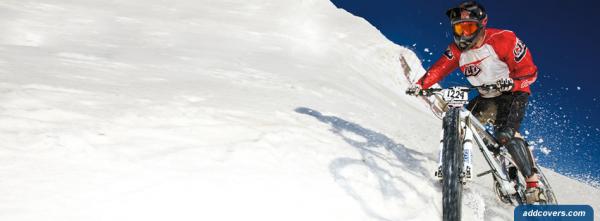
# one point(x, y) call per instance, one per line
point(505, 84)
point(414, 89)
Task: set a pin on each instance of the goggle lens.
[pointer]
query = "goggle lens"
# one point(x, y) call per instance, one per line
point(465, 28)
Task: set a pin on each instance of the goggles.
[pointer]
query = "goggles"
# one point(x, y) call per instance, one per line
point(466, 28)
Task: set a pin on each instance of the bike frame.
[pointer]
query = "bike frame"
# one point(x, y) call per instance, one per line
point(498, 169)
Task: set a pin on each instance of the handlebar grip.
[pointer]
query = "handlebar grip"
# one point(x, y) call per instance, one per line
point(488, 86)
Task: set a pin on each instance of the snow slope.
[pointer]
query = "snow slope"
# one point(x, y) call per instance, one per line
point(216, 110)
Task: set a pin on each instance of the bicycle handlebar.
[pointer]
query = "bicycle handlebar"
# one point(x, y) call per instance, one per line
point(431, 91)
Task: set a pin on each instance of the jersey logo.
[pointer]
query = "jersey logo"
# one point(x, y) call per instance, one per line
point(472, 70)
point(519, 51)
point(527, 82)
point(448, 54)
point(477, 61)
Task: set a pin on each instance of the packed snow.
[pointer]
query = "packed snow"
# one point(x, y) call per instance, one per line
point(217, 110)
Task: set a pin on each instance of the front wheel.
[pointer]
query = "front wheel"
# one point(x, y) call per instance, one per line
point(452, 158)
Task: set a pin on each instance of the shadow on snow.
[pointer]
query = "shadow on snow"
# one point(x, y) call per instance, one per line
point(372, 155)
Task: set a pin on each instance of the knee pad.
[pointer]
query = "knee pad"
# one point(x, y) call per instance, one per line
point(504, 135)
point(521, 155)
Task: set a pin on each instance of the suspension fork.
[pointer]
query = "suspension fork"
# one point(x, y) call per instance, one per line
point(467, 137)
point(467, 144)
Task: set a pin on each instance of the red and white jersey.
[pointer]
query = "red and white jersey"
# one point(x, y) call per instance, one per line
point(502, 55)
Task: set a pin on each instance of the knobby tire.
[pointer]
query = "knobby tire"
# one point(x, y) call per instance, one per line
point(452, 157)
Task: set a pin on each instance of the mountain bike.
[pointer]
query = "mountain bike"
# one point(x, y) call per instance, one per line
point(460, 131)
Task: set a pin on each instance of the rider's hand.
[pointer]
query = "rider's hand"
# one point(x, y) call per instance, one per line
point(505, 84)
point(414, 89)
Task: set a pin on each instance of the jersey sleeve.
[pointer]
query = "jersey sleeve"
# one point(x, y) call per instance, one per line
point(441, 68)
point(520, 63)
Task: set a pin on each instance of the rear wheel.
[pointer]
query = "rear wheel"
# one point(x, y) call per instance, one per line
point(452, 157)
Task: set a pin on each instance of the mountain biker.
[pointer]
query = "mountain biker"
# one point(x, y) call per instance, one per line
point(491, 56)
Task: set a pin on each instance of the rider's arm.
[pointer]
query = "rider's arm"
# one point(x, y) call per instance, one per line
point(441, 68)
point(520, 63)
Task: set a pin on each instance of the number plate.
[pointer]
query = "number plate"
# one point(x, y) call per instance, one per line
point(456, 97)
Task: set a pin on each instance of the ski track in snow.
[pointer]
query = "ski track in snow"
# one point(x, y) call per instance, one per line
point(228, 110)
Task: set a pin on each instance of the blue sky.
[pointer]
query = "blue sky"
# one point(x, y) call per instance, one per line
point(564, 112)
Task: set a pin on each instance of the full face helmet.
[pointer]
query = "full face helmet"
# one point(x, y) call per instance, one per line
point(468, 22)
